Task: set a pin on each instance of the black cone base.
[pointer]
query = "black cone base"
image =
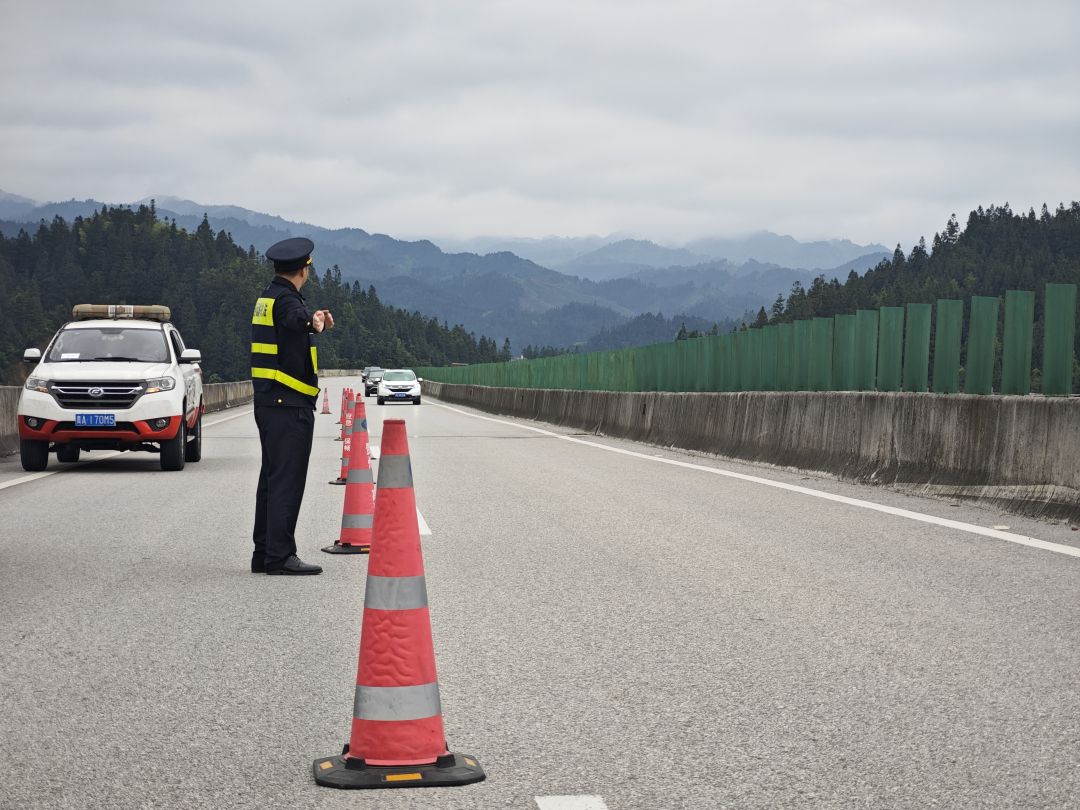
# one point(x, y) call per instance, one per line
point(452, 769)
point(338, 548)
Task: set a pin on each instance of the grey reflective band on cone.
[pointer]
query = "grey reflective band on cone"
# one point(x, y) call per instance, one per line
point(395, 472)
point(360, 477)
point(356, 521)
point(395, 593)
point(397, 702)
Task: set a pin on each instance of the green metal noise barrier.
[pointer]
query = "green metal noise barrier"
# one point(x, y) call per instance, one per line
point(889, 349)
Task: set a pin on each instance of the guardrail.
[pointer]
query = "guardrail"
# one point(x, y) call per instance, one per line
point(888, 349)
point(216, 397)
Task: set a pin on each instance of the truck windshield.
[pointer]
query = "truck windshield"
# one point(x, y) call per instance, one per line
point(109, 343)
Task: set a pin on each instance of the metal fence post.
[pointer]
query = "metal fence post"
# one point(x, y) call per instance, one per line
point(1059, 332)
point(866, 340)
point(844, 353)
point(981, 346)
point(802, 356)
point(950, 322)
point(1016, 348)
point(917, 347)
point(890, 348)
point(821, 352)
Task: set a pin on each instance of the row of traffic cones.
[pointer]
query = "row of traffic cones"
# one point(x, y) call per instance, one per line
point(397, 737)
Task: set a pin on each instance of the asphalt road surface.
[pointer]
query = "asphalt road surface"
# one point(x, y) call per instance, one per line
point(620, 625)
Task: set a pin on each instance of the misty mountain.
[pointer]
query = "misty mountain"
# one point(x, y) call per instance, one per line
point(563, 253)
point(12, 206)
point(859, 265)
point(626, 257)
point(498, 294)
point(784, 251)
point(550, 251)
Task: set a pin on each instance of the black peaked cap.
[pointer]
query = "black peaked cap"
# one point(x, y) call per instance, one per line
point(289, 255)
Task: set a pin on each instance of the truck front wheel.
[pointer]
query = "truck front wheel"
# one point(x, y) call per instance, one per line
point(172, 450)
point(34, 454)
point(193, 448)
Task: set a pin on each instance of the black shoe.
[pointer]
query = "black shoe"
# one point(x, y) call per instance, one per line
point(294, 566)
point(258, 568)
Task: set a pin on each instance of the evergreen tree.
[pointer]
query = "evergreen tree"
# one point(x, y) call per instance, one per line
point(125, 256)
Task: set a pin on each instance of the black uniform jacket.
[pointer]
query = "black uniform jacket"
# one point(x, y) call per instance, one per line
point(284, 365)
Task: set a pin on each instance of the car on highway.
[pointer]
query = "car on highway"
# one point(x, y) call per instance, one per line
point(117, 377)
point(371, 381)
point(398, 385)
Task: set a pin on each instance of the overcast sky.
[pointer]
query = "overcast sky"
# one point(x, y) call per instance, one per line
point(665, 120)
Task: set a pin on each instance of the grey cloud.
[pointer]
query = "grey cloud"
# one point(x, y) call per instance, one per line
point(869, 120)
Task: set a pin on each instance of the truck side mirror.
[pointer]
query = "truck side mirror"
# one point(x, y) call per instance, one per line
point(32, 356)
point(191, 356)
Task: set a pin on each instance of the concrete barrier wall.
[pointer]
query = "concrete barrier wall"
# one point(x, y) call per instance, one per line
point(1021, 454)
point(9, 427)
point(216, 397)
point(339, 372)
point(219, 396)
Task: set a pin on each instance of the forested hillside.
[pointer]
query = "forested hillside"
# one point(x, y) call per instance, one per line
point(120, 255)
point(996, 251)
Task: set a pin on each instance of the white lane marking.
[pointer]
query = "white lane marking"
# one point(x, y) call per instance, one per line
point(424, 528)
point(26, 479)
point(971, 528)
point(570, 803)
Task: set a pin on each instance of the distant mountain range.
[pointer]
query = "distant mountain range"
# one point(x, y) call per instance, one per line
point(598, 257)
point(592, 283)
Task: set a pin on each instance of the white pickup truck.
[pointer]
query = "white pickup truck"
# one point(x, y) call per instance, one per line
point(116, 377)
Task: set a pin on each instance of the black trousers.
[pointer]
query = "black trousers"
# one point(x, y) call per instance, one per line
point(285, 434)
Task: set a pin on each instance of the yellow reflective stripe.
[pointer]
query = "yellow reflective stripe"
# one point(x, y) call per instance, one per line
point(264, 312)
point(314, 360)
point(264, 348)
point(284, 379)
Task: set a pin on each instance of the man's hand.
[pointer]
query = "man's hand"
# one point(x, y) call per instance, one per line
point(322, 319)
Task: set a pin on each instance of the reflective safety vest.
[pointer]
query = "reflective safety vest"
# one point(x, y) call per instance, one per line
point(280, 355)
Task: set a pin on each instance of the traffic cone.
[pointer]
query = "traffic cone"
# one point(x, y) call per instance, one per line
point(397, 737)
point(346, 449)
point(357, 513)
point(346, 414)
point(360, 428)
point(344, 394)
point(325, 402)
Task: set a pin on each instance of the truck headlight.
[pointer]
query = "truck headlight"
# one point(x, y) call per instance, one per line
point(37, 384)
point(160, 384)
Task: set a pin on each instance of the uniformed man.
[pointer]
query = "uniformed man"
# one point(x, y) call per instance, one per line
point(284, 373)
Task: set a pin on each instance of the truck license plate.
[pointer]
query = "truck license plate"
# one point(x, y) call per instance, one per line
point(95, 420)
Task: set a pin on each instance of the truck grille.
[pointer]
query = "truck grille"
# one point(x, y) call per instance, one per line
point(99, 396)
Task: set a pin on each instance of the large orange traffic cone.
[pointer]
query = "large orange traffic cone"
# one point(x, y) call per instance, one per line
point(397, 737)
point(357, 514)
point(344, 394)
point(346, 414)
point(325, 402)
point(346, 447)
